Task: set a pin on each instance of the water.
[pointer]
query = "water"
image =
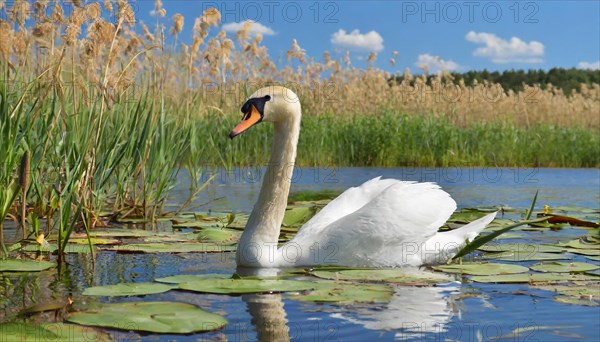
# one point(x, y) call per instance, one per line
point(454, 311)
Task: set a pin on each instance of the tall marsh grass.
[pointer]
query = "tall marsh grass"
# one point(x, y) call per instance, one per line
point(108, 111)
point(393, 139)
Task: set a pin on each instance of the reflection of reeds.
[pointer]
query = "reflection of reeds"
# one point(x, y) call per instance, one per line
point(107, 110)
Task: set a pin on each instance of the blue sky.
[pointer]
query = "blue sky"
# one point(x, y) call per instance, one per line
point(452, 35)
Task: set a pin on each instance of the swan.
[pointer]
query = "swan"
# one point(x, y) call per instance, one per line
point(381, 223)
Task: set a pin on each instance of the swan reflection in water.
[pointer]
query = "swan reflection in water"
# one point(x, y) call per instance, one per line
point(412, 313)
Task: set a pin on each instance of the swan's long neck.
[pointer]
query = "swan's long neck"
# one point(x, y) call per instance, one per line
point(259, 241)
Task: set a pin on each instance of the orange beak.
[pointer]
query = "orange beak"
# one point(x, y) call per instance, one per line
point(250, 119)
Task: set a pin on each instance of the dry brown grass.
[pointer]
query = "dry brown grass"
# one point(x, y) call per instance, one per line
point(88, 55)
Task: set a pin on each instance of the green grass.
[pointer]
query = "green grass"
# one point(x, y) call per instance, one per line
point(392, 139)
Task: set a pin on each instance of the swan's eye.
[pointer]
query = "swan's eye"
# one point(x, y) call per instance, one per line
point(268, 97)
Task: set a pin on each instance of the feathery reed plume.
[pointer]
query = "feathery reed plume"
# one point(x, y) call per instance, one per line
point(177, 24)
point(296, 52)
point(212, 17)
point(6, 34)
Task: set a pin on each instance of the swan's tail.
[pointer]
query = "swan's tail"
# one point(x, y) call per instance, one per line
point(443, 246)
point(470, 231)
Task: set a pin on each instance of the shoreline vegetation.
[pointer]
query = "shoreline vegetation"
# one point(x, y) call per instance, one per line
point(98, 116)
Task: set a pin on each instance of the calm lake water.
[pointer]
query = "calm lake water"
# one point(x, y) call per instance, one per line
point(454, 311)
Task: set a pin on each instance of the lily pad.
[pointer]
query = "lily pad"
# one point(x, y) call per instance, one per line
point(51, 248)
point(239, 286)
point(24, 265)
point(311, 195)
point(199, 224)
point(576, 301)
point(592, 257)
point(532, 278)
point(172, 248)
point(156, 317)
point(522, 248)
point(585, 251)
point(468, 215)
point(218, 235)
point(122, 233)
point(298, 216)
point(524, 256)
point(58, 332)
point(347, 293)
point(176, 237)
point(127, 289)
point(590, 289)
point(94, 241)
point(560, 267)
point(521, 334)
point(482, 268)
point(188, 278)
point(396, 275)
point(582, 243)
point(23, 332)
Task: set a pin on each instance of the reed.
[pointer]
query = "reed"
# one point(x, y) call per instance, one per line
point(395, 139)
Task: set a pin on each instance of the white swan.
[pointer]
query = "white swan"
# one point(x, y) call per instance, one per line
point(382, 223)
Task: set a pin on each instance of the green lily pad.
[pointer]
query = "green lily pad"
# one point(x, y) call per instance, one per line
point(239, 286)
point(521, 247)
point(506, 236)
point(592, 257)
point(24, 332)
point(218, 235)
point(590, 289)
point(298, 216)
point(51, 248)
point(24, 265)
point(94, 241)
point(346, 293)
point(156, 317)
point(482, 268)
point(584, 251)
point(311, 195)
point(176, 237)
point(585, 244)
point(523, 256)
point(57, 332)
point(560, 267)
point(122, 233)
point(188, 278)
point(395, 275)
point(172, 248)
point(531, 278)
point(468, 215)
point(576, 209)
point(199, 224)
point(521, 334)
point(127, 289)
point(576, 301)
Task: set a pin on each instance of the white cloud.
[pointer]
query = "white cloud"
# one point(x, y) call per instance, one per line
point(435, 64)
point(254, 29)
point(369, 42)
point(505, 51)
point(587, 65)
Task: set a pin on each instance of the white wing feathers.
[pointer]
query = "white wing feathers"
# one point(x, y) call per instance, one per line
point(348, 202)
point(370, 224)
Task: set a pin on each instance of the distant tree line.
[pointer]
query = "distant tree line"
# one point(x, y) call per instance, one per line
point(565, 79)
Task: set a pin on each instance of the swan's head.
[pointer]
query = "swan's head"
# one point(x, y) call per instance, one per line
point(268, 104)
